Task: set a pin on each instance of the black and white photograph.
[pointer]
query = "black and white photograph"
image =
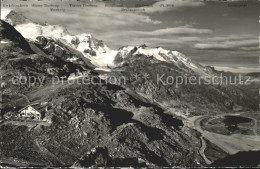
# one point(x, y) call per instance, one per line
point(129, 83)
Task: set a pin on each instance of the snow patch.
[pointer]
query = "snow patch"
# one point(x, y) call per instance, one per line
point(32, 30)
point(193, 65)
point(150, 52)
point(72, 59)
point(103, 69)
point(103, 60)
point(125, 51)
point(83, 46)
point(4, 13)
point(4, 42)
point(57, 46)
point(99, 55)
point(68, 38)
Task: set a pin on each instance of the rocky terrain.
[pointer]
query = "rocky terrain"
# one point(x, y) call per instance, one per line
point(200, 97)
point(84, 117)
point(139, 123)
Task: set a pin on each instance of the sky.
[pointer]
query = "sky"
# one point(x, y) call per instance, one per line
point(221, 34)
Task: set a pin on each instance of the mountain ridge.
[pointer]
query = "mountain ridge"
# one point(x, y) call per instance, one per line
point(7, 32)
point(79, 118)
point(95, 50)
point(139, 123)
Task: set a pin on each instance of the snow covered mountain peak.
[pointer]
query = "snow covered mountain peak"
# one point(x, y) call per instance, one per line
point(4, 13)
point(14, 18)
point(95, 50)
point(84, 42)
point(92, 48)
point(30, 29)
point(157, 52)
point(127, 53)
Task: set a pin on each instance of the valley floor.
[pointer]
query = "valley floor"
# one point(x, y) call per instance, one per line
point(229, 143)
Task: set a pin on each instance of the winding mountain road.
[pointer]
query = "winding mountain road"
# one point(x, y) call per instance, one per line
point(202, 149)
point(255, 127)
point(50, 156)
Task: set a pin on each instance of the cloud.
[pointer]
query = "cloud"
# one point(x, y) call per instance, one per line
point(155, 42)
point(226, 44)
point(182, 30)
point(231, 38)
point(250, 48)
point(190, 39)
point(237, 69)
point(166, 37)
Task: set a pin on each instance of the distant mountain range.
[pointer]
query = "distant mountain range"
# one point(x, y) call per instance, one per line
point(93, 49)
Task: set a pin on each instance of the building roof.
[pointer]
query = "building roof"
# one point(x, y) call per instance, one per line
point(27, 107)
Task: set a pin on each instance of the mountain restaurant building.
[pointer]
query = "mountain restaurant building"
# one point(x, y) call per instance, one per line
point(29, 112)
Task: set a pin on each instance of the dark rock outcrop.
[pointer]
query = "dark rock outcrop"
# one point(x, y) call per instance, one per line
point(9, 33)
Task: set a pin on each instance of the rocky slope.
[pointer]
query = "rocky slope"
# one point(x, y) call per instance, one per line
point(9, 35)
point(137, 123)
point(95, 50)
point(169, 85)
point(80, 118)
point(90, 47)
point(21, 60)
point(128, 53)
